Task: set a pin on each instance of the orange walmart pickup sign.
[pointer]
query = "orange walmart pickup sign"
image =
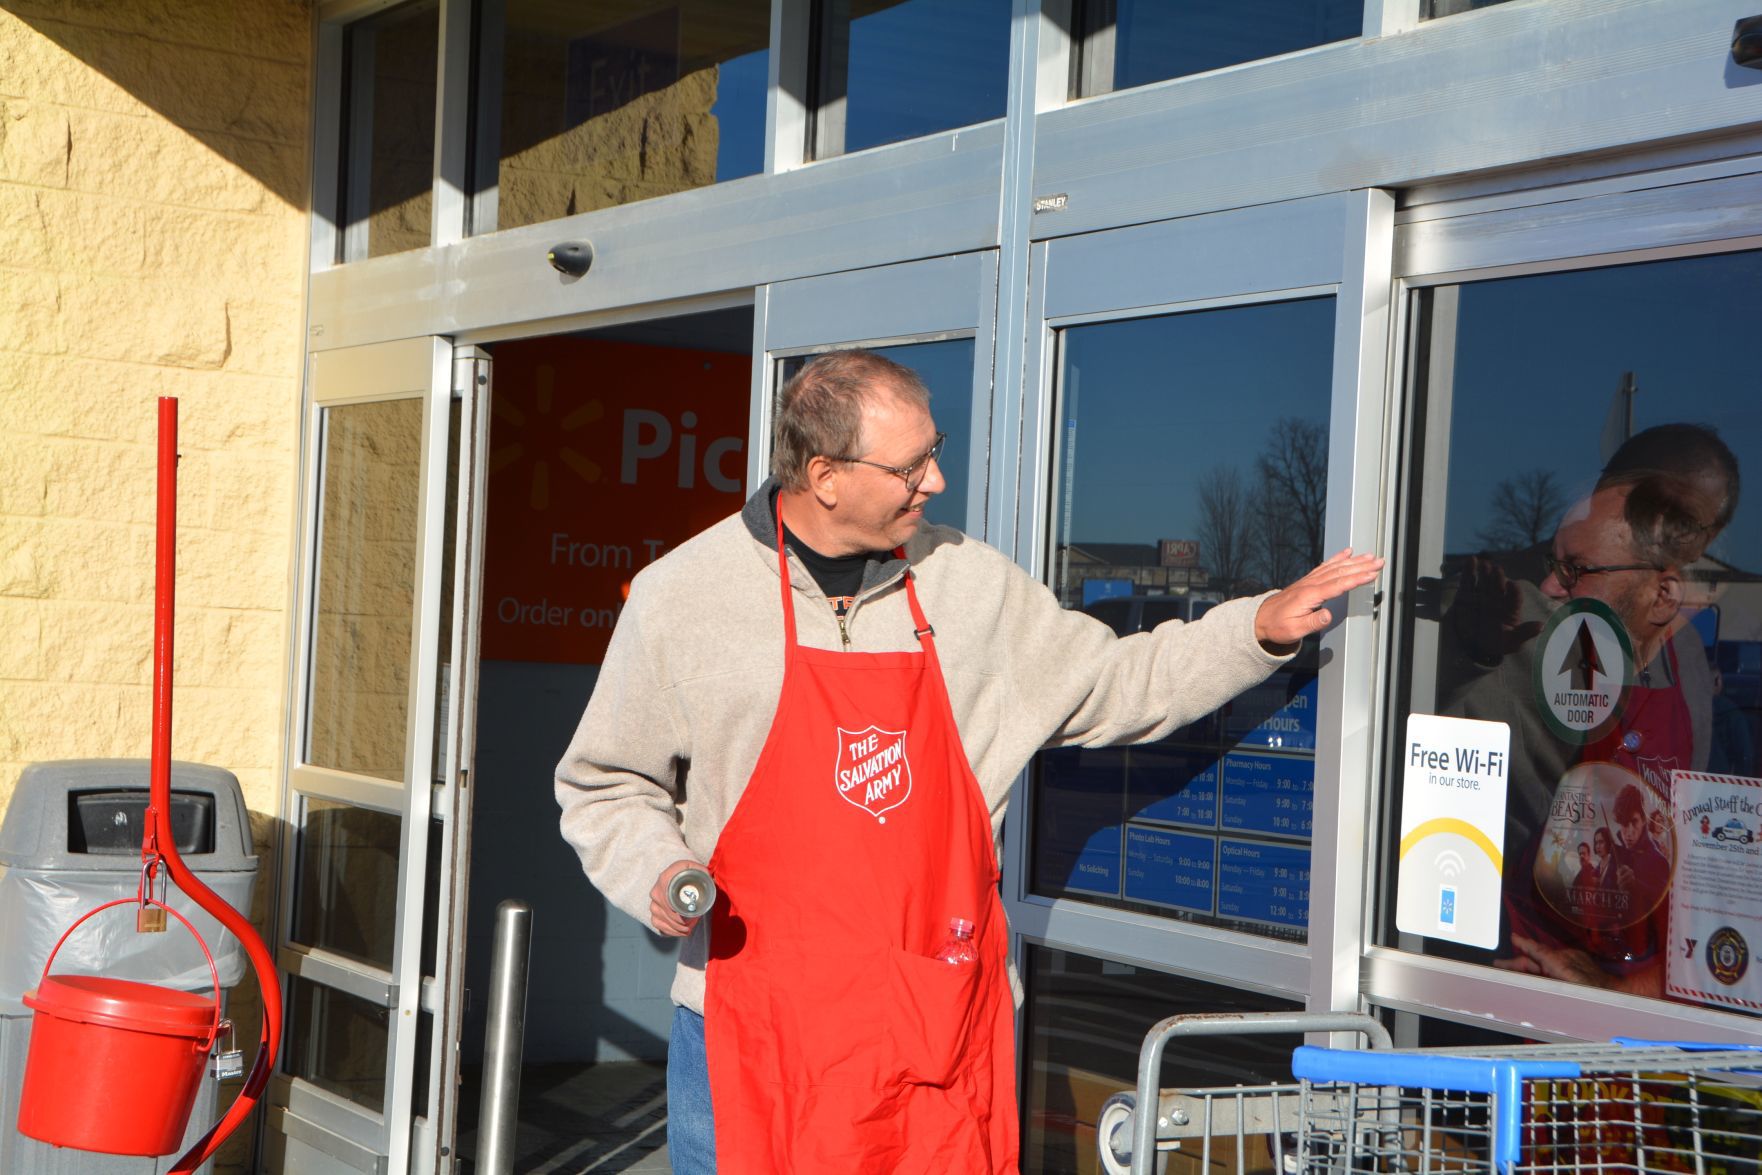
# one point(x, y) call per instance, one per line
point(602, 457)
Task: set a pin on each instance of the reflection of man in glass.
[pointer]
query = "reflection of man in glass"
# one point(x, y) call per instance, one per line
point(1626, 545)
point(1661, 499)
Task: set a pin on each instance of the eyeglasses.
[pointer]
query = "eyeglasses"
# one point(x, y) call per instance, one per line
point(913, 474)
point(1569, 573)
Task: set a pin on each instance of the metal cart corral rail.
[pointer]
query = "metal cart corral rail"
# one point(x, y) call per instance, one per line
point(1638, 1107)
point(1130, 1141)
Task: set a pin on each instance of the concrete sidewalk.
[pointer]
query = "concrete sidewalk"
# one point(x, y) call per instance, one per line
point(581, 1119)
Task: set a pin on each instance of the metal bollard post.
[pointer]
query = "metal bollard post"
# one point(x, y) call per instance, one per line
point(504, 1040)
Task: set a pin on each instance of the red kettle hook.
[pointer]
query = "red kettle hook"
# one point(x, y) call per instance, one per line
point(159, 842)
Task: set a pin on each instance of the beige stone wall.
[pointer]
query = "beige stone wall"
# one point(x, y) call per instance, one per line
point(152, 193)
point(152, 243)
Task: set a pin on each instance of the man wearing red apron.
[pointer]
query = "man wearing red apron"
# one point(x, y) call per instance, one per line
point(1607, 548)
point(835, 1041)
point(828, 700)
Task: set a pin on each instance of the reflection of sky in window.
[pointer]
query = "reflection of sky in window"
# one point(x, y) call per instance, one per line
point(1158, 39)
point(946, 367)
point(1539, 360)
point(1159, 402)
point(925, 66)
point(740, 115)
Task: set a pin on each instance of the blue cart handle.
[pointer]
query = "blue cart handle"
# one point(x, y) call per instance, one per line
point(1688, 1046)
point(1501, 1078)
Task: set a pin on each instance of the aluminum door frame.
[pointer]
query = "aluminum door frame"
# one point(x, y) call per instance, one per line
point(433, 1146)
point(1337, 245)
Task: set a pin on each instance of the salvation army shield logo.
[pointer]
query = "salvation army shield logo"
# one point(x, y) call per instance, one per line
point(873, 772)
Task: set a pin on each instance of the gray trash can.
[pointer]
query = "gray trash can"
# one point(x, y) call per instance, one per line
point(71, 840)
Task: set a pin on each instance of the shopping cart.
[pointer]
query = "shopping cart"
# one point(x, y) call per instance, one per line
point(1625, 1108)
point(1631, 1106)
point(1238, 1128)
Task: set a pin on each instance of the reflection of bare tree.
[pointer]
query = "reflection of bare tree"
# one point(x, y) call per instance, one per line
point(1291, 498)
point(1225, 538)
point(1269, 536)
point(1525, 510)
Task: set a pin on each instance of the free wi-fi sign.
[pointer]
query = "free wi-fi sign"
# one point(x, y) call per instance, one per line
point(1452, 828)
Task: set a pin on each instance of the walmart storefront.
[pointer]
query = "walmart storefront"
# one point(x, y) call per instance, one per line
point(1203, 290)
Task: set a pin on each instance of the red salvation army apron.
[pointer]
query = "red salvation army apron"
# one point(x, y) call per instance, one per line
point(836, 1043)
point(1654, 734)
point(1654, 737)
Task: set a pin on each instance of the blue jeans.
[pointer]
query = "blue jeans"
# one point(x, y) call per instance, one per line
point(691, 1130)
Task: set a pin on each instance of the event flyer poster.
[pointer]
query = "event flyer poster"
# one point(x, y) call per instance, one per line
point(1716, 898)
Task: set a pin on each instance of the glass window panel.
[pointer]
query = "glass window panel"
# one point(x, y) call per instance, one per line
point(338, 1042)
point(1190, 467)
point(1432, 9)
point(420, 1065)
point(1130, 43)
point(1602, 418)
point(431, 896)
point(892, 70)
point(615, 101)
point(1086, 1019)
point(946, 367)
point(369, 518)
point(346, 898)
point(448, 569)
point(391, 64)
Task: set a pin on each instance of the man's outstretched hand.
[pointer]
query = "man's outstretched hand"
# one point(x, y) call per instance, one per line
point(1288, 617)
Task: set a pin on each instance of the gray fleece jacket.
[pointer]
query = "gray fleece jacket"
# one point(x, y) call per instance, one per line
point(691, 679)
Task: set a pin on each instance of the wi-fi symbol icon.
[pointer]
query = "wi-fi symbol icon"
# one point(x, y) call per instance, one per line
point(1450, 862)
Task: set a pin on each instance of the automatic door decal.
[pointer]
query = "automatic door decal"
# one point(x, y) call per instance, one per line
point(873, 772)
point(1583, 665)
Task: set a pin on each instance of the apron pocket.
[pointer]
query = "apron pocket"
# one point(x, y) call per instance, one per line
point(931, 1015)
point(872, 1021)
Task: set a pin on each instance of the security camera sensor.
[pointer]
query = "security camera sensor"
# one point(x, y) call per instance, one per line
point(571, 259)
point(1746, 42)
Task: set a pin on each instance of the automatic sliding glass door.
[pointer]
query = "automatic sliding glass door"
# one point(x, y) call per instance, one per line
point(1203, 424)
point(373, 778)
point(1577, 562)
